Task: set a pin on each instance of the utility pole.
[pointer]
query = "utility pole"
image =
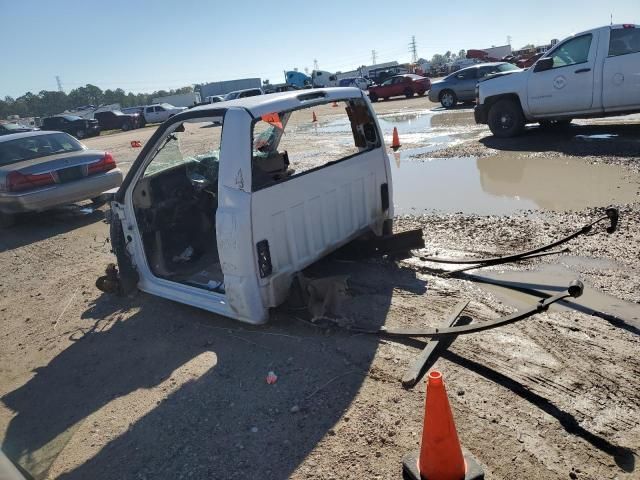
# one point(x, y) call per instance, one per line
point(373, 57)
point(413, 49)
point(315, 64)
point(59, 82)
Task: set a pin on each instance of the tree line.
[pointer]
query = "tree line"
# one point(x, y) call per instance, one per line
point(48, 102)
point(441, 59)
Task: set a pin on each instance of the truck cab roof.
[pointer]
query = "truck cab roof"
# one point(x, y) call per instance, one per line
point(276, 102)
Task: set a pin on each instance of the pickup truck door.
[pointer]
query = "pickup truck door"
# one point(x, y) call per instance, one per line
point(161, 114)
point(150, 115)
point(621, 72)
point(568, 86)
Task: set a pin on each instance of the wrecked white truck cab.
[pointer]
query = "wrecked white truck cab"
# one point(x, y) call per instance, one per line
point(227, 202)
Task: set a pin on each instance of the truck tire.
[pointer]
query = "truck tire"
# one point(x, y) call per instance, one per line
point(126, 126)
point(448, 99)
point(408, 92)
point(373, 97)
point(505, 119)
point(80, 134)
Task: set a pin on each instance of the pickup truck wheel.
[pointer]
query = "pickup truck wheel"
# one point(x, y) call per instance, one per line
point(126, 126)
point(408, 93)
point(79, 134)
point(505, 119)
point(7, 220)
point(373, 97)
point(448, 99)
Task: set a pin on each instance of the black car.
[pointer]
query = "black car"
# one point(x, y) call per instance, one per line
point(73, 125)
point(115, 119)
point(7, 128)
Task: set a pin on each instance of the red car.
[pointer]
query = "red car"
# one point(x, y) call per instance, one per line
point(527, 62)
point(407, 85)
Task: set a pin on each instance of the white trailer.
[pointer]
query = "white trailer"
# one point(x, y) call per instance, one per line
point(180, 100)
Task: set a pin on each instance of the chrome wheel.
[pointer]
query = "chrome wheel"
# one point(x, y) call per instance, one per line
point(447, 99)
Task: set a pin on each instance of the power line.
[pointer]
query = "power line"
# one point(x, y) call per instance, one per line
point(413, 49)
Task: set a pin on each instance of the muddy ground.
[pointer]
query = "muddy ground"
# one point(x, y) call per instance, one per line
point(102, 387)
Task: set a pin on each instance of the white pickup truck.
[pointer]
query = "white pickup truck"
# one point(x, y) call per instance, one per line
point(590, 74)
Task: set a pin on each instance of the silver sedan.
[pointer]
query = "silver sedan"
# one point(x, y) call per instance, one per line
point(460, 86)
point(41, 170)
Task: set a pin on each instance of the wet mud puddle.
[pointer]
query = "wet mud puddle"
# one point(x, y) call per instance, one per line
point(506, 183)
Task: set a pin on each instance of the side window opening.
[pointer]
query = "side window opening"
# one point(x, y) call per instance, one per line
point(572, 52)
point(623, 41)
point(289, 144)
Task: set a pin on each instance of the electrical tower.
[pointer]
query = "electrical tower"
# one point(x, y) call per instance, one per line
point(373, 57)
point(508, 39)
point(315, 64)
point(59, 82)
point(413, 49)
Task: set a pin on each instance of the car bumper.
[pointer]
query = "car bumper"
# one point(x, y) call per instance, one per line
point(63, 194)
point(433, 95)
point(480, 114)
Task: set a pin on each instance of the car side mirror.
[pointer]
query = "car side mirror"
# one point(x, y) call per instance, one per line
point(543, 64)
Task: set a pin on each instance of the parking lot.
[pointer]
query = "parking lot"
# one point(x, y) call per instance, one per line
point(95, 385)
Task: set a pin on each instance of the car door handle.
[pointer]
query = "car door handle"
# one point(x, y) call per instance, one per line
point(583, 70)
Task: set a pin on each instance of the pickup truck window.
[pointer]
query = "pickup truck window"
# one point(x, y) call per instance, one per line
point(288, 144)
point(572, 52)
point(624, 41)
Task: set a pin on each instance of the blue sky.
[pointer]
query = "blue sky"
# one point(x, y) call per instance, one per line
point(143, 46)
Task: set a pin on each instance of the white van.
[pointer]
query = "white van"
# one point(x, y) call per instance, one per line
point(220, 209)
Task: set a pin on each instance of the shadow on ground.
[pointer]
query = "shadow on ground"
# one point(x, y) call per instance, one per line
point(621, 140)
point(226, 423)
point(34, 227)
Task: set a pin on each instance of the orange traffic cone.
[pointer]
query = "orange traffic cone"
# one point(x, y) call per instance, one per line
point(395, 143)
point(315, 119)
point(440, 457)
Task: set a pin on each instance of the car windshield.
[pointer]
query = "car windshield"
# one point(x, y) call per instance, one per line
point(166, 105)
point(71, 118)
point(506, 67)
point(117, 112)
point(36, 146)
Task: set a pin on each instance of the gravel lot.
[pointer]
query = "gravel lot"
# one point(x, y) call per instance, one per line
point(94, 386)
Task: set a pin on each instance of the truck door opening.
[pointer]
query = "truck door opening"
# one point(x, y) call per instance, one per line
point(175, 203)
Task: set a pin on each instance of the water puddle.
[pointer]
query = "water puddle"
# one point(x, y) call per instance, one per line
point(552, 279)
point(504, 184)
point(413, 128)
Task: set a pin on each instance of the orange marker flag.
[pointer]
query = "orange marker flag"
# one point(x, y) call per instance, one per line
point(273, 119)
